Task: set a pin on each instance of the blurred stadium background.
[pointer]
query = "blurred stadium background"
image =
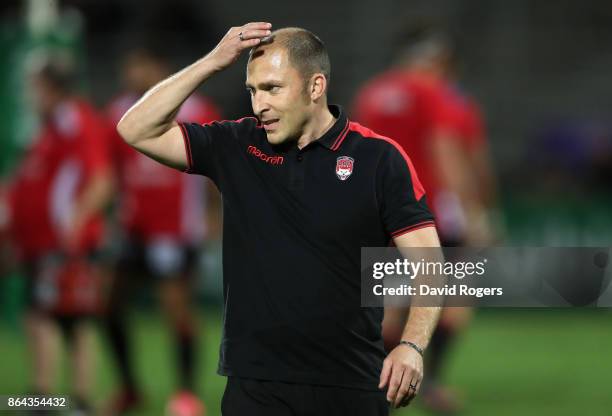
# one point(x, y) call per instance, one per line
point(541, 71)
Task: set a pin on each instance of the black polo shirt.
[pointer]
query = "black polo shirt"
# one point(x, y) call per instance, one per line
point(294, 223)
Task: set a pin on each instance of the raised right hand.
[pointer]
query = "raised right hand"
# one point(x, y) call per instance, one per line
point(236, 40)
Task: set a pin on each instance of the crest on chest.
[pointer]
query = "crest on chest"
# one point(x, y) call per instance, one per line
point(344, 167)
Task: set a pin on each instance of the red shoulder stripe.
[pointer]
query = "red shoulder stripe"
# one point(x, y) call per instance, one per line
point(417, 187)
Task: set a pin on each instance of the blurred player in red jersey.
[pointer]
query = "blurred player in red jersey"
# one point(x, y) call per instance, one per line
point(8, 262)
point(441, 129)
point(464, 121)
point(162, 216)
point(55, 204)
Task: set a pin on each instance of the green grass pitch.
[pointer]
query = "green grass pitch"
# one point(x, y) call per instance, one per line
point(509, 362)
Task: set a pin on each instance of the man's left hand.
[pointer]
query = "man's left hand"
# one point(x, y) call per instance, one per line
point(402, 373)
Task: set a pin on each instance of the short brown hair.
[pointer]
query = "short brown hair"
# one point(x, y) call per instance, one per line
point(307, 53)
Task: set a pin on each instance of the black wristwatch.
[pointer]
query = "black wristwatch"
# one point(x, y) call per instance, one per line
point(413, 346)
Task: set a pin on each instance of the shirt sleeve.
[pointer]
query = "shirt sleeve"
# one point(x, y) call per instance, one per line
point(207, 144)
point(403, 203)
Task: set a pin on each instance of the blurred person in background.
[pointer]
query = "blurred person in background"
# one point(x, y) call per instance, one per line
point(55, 203)
point(417, 102)
point(6, 259)
point(162, 219)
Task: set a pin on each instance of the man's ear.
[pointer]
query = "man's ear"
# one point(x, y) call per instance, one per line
point(318, 86)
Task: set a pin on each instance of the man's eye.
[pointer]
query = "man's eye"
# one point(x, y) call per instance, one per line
point(275, 89)
point(250, 91)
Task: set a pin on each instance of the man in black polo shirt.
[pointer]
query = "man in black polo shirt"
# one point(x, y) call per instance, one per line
point(303, 189)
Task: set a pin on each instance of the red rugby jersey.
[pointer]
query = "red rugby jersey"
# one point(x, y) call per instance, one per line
point(463, 116)
point(156, 200)
point(30, 227)
point(69, 148)
point(408, 108)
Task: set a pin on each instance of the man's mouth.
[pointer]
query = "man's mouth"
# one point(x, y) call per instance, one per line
point(270, 124)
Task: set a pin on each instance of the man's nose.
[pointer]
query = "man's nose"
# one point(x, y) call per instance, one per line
point(259, 102)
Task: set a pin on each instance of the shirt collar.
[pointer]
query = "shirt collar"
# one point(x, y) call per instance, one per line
point(333, 137)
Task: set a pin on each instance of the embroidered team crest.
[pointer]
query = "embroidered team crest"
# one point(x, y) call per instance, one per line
point(344, 167)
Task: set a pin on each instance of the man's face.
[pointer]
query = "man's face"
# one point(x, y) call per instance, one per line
point(278, 94)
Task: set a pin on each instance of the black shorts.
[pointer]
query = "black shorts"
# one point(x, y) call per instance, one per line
point(51, 287)
point(161, 258)
point(272, 398)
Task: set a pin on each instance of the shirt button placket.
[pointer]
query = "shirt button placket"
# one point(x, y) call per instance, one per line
point(298, 182)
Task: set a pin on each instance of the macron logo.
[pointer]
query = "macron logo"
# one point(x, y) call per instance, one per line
point(273, 160)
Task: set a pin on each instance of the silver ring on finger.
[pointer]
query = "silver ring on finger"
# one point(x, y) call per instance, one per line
point(240, 36)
